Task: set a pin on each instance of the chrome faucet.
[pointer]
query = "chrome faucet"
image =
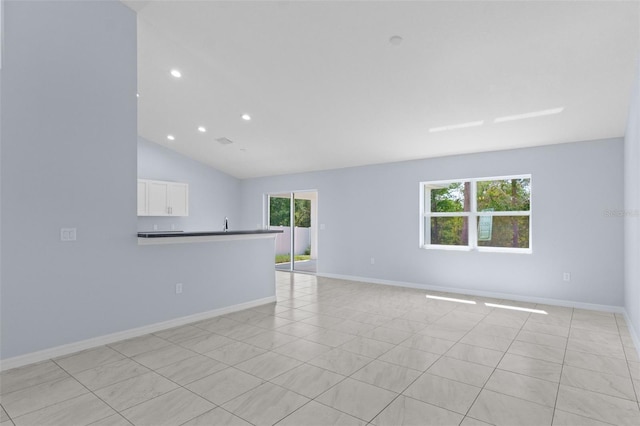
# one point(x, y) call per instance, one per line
point(226, 224)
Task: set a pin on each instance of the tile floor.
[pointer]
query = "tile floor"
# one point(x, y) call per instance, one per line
point(332, 352)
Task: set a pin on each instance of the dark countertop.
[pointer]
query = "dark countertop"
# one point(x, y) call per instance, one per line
point(169, 234)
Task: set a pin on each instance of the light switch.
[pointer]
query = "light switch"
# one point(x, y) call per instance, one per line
point(322, 226)
point(67, 234)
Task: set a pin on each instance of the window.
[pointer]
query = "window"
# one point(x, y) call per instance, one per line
point(485, 214)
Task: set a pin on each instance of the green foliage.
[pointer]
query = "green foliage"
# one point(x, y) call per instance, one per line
point(285, 258)
point(496, 195)
point(303, 213)
point(504, 195)
point(449, 199)
point(509, 231)
point(280, 212)
point(450, 230)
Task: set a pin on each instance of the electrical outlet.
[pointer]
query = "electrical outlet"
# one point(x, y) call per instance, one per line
point(322, 226)
point(178, 288)
point(373, 261)
point(566, 276)
point(155, 227)
point(68, 234)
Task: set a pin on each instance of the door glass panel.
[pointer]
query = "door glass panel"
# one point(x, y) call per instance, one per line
point(305, 246)
point(280, 219)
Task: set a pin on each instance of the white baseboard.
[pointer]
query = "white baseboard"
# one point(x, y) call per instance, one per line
point(70, 348)
point(495, 295)
point(555, 302)
point(634, 335)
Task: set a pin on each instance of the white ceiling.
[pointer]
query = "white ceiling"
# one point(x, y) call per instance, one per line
point(325, 88)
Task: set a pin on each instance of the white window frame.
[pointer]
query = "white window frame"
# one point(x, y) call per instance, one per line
point(472, 215)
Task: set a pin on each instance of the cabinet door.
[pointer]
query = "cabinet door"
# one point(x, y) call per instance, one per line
point(143, 209)
point(178, 199)
point(157, 199)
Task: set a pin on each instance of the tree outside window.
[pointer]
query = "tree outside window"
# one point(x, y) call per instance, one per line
point(478, 213)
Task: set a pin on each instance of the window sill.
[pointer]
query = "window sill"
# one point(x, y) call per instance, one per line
point(478, 249)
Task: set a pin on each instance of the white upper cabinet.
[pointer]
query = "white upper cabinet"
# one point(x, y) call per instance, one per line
point(143, 206)
point(178, 194)
point(164, 198)
point(158, 199)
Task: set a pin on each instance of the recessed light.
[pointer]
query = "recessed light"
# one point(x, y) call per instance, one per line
point(202, 129)
point(395, 40)
point(176, 73)
point(529, 115)
point(171, 137)
point(137, 95)
point(457, 126)
point(246, 117)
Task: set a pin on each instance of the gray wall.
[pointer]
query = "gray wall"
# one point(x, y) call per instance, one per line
point(373, 211)
point(69, 149)
point(213, 195)
point(632, 210)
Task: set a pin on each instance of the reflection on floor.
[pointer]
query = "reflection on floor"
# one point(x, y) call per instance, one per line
point(300, 266)
point(338, 352)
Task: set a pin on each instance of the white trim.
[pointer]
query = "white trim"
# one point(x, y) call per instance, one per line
point(481, 249)
point(507, 213)
point(438, 183)
point(444, 247)
point(447, 214)
point(511, 250)
point(634, 335)
point(472, 232)
point(70, 348)
point(495, 295)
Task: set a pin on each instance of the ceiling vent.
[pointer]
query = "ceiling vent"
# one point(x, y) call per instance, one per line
point(224, 141)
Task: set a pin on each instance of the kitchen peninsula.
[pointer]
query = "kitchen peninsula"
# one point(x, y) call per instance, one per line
point(198, 275)
point(145, 238)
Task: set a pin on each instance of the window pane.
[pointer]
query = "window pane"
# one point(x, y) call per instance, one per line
point(503, 231)
point(450, 198)
point(504, 195)
point(449, 231)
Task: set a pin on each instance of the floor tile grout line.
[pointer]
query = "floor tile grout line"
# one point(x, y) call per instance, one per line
point(413, 333)
point(496, 368)
point(10, 418)
point(150, 399)
point(633, 386)
point(50, 405)
point(350, 376)
point(555, 406)
point(422, 374)
point(92, 393)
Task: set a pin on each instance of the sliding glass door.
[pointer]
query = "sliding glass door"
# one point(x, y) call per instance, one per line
point(295, 215)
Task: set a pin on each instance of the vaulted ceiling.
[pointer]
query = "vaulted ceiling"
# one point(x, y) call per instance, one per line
point(332, 84)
